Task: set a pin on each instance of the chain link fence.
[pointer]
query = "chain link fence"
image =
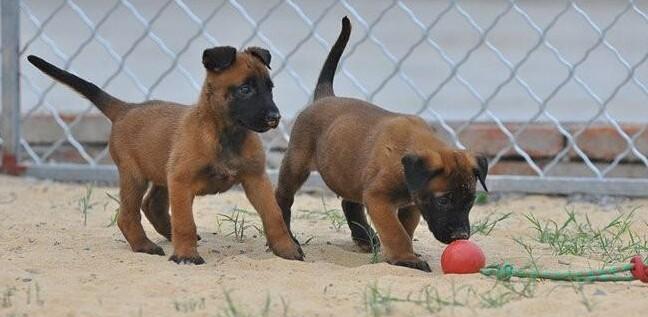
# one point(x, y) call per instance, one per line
point(553, 91)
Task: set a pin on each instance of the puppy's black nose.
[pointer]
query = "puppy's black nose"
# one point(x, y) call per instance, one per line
point(272, 118)
point(461, 235)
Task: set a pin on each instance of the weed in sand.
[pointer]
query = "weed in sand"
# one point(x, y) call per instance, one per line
point(529, 251)
point(495, 299)
point(219, 225)
point(485, 226)
point(7, 295)
point(481, 198)
point(434, 302)
point(189, 305)
point(613, 243)
point(113, 218)
point(233, 310)
point(32, 295)
point(504, 292)
point(308, 241)
point(35, 295)
point(239, 225)
point(373, 242)
point(85, 203)
point(285, 306)
point(334, 216)
point(589, 304)
point(527, 288)
point(377, 302)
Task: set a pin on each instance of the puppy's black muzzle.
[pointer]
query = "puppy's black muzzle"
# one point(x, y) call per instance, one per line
point(462, 235)
point(448, 234)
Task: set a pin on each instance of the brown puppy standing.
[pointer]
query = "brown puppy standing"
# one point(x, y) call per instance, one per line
point(392, 163)
point(188, 151)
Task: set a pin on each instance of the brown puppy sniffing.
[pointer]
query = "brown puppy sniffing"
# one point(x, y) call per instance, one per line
point(185, 151)
point(394, 164)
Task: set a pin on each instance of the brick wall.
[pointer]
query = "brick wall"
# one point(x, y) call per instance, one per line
point(542, 141)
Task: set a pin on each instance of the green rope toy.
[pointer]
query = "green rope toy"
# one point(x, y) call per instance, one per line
point(637, 269)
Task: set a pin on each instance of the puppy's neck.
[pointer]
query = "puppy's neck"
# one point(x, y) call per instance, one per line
point(217, 123)
point(210, 100)
point(212, 109)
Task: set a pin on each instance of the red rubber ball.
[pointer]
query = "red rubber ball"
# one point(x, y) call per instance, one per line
point(462, 257)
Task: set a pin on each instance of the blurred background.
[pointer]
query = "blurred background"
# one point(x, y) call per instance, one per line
point(392, 44)
point(548, 89)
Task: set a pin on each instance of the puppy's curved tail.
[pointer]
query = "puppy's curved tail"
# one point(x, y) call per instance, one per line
point(112, 107)
point(324, 87)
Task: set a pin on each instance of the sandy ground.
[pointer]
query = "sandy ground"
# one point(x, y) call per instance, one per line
point(54, 265)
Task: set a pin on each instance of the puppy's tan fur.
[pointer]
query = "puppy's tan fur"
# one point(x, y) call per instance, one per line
point(185, 151)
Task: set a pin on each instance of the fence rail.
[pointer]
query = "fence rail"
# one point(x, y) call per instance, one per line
point(554, 92)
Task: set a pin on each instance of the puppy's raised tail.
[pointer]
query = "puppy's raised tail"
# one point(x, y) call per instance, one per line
point(324, 87)
point(112, 107)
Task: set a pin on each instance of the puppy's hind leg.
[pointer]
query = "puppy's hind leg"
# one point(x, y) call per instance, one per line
point(156, 210)
point(294, 171)
point(131, 191)
point(361, 232)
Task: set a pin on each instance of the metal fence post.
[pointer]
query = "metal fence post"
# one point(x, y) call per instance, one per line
point(10, 118)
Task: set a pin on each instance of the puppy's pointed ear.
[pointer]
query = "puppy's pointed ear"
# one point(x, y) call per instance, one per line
point(262, 54)
point(218, 58)
point(417, 174)
point(482, 170)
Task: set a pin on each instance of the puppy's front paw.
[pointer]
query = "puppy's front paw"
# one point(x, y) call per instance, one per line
point(417, 264)
point(288, 250)
point(195, 259)
point(186, 256)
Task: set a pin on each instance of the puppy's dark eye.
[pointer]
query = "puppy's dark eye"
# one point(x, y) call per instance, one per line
point(244, 90)
point(443, 201)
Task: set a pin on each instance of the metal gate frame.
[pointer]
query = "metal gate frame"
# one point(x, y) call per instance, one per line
point(10, 141)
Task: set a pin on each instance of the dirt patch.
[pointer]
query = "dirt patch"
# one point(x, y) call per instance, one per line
point(55, 265)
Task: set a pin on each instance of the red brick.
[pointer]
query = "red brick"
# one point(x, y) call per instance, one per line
point(43, 129)
point(512, 168)
point(68, 154)
point(602, 142)
point(539, 140)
